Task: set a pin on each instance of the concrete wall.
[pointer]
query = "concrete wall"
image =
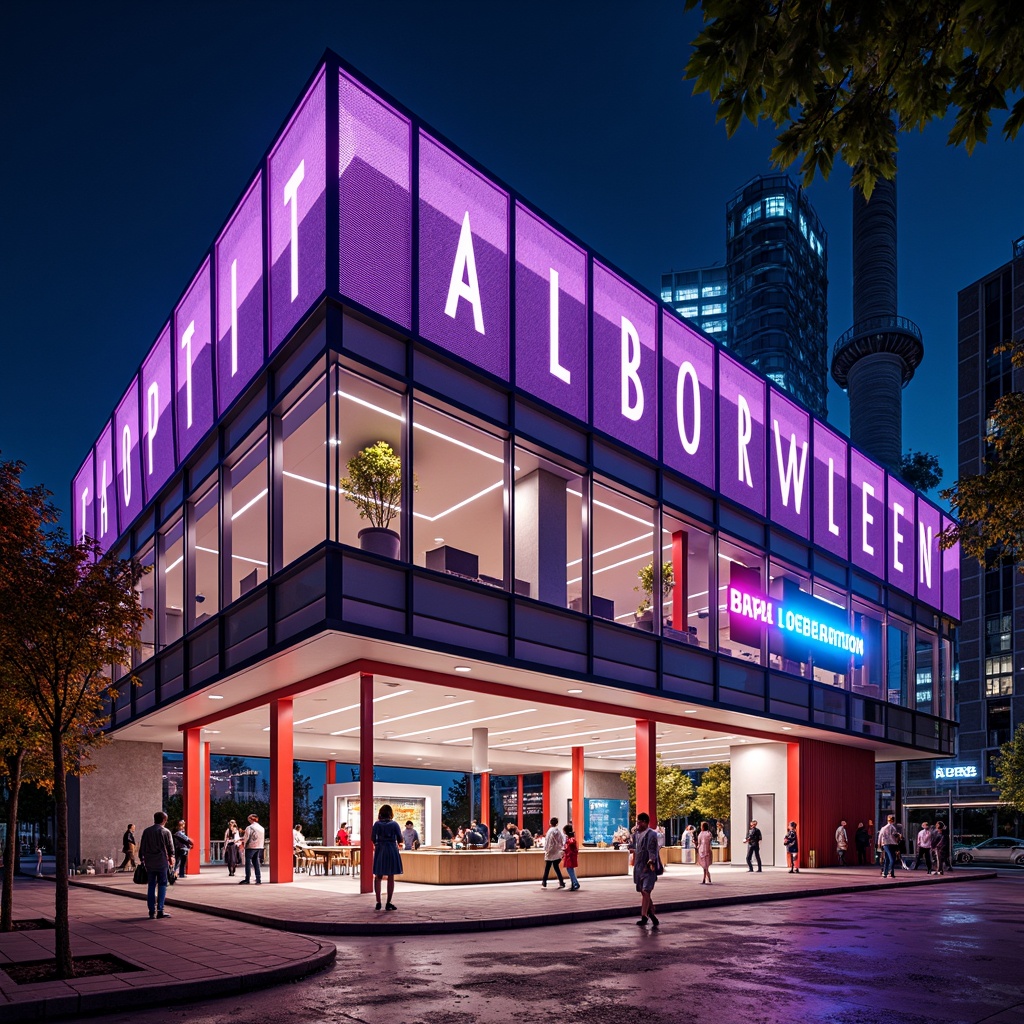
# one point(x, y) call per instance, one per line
point(604, 786)
point(758, 769)
point(126, 786)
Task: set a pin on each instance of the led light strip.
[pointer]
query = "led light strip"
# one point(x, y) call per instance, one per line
point(528, 728)
point(351, 707)
point(413, 714)
point(564, 736)
point(459, 725)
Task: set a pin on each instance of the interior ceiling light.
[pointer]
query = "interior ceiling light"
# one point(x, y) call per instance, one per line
point(472, 721)
point(526, 728)
point(413, 714)
point(215, 696)
point(564, 736)
point(690, 711)
point(463, 668)
point(573, 691)
point(787, 728)
point(450, 696)
point(212, 732)
point(350, 707)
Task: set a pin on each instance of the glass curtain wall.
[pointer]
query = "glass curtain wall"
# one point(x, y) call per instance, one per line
point(171, 579)
point(625, 576)
point(248, 504)
point(204, 577)
point(869, 672)
point(925, 655)
point(743, 569)
point(146, 588)
point(897, 658)
point(688, 609)
point(838, 599)
point(304, 466)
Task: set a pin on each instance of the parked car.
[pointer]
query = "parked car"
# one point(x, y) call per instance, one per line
point(1001, 850)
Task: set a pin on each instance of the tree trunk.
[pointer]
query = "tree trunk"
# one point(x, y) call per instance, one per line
point(62, 922)
point(14, 765)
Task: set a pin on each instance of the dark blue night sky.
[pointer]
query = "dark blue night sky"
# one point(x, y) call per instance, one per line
point(130, 131)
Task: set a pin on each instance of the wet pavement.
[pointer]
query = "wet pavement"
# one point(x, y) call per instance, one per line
point(940, 954)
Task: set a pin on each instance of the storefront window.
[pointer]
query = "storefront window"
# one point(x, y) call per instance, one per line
point(688, 609)
point(944, 708)
point(304, 485)
point(786, 652)
point(248, 532)
point(622, 541)
point(459, 503)
point(146, 588)
point(897, 656)
point(203, 583)
point(925, 653)
point(738, 635)
point(831, 674)
point(366, 436)
point(171, 579)
point(548, 530)
point(868, 673)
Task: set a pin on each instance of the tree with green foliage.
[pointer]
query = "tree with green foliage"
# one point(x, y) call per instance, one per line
point(673, 788)
point(921, 470)
point(846, 78)
point(374, 484)
point(714, 794)
point(1008, 781)
point(988, 505)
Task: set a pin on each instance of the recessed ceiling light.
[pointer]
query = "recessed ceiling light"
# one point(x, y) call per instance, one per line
point(213, 732)
point(439, 540)
point(595, 737)
point(215, 696)
point(331, 753)
point(419, 758)
point(787, 728)
point(573, 691)
point(450, 696)
point(463, 668)
point(690, 711)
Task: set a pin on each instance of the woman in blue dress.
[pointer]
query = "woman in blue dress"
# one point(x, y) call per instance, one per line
point(386, 838)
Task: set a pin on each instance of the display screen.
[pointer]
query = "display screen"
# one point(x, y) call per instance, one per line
point(193, 356)
point(551, 315)
point(688, 400)
point(900, 533)
point(157, 434)
point(741, 434)
point(297, 201)
point(464, 264)
point(127, 456)
point(929, 554)
point(831, 492)
point(602, 818)
point(375, 203)
point(789, 456)
point(106, 489)
point(239, 256)
point(867, 515)
point(625, 360)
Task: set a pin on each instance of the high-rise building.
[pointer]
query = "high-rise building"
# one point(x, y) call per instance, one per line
point(990, 695)
point(769, 303)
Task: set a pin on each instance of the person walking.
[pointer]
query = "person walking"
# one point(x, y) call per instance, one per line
point(182, 844)
point(792, 845)
point(753, 842)
point(386, 837)
point(232, 853)
point(721, 839)
point(704, 851)
point(156, 852)
point(842, 842)
point(554, 843)
point(924, 848)
point(862, 841)
point(571, 856)
point(873, 841)
point(253, 840)
point(646, 863)
point(888, 842)
point(128, 848)
point(689, 844)
point(940, 848)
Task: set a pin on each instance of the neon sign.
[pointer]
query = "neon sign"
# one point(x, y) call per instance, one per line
point(956, 771)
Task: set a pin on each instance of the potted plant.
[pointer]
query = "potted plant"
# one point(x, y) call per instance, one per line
point(374, 486)
point(645, 610)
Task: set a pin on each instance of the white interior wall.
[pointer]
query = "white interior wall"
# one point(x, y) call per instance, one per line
point(757, 768)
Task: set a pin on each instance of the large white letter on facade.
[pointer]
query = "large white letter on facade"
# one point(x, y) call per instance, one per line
point(291, 195)
point(554, 366)
point(186, 344)
point(103, 500)
point(833, 526)
point(866, 519)
point(687, 372)
point(85, 505)
point(897, 537)
point(791, 474)
point(744, 431)
point(126, 463)
point(463, 284)
point(631, 354)
point(152, 420)
point(924, 555)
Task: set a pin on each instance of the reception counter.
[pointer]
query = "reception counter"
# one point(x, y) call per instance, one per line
point(476, 867)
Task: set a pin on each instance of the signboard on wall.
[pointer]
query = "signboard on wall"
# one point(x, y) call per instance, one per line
point(958, 771)
point(602, 817)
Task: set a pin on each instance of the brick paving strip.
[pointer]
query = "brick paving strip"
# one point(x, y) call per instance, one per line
point(182, 958)
point(332, 905)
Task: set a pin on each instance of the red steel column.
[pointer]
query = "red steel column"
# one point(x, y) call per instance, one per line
point(366, 815)
point(793, 797)
point(646, 769)
point(545, 801)
point(191, 782)
point(329, 779)
point(282, 756)
point(485, 803)
point(206, 833)
point(519, 802)
point(577, 792)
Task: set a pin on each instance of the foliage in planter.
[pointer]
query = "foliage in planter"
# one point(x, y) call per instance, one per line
point(374, 483)
point(646, 577)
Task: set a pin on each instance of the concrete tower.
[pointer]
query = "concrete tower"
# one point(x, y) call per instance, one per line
point(876, 358)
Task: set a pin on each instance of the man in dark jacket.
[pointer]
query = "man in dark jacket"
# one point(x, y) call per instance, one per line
point(182, 844)
point(156, 851)
point(128, 848)
point(753, 842)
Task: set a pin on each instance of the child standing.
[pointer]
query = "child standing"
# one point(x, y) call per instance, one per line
point(571, 856)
